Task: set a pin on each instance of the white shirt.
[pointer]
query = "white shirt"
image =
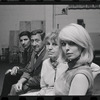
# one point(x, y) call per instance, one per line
point(48, 73)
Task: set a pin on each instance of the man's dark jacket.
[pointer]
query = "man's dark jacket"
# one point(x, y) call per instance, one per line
point(33, 71)
point(25, 57)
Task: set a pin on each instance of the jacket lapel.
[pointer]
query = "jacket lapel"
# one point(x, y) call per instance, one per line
point(39, 60)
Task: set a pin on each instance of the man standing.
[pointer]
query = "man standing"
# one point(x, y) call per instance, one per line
point(31, 77)
point(14, 74)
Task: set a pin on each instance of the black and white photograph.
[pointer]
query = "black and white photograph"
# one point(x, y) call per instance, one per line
point(50, 50)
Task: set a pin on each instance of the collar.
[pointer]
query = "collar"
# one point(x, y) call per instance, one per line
point(73, 63)
point(28, 48)
point(54, 63)
point(38, 53)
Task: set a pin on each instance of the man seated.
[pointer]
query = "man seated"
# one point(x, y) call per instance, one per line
point(14, 74)
point(31, 77)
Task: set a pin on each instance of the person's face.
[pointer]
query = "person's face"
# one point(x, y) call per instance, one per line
point(52, 48)
point(36, 42)
point(25, 41)
point(70, 50)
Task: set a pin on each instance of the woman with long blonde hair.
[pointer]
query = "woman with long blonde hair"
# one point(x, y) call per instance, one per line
point(77, 50)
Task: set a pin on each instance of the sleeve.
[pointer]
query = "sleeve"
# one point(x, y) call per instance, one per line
point(43, 70)
point(22, 68)
point(25, 75)
point(27, 71)
point(34, 81)
point(29, 66)
point(42, 81)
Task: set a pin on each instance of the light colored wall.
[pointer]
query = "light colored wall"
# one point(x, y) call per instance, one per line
point(91, 19)
point(49, 17)
point(10, 15)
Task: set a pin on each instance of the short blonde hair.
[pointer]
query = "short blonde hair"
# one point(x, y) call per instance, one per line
point(77, 34)
point(53, 35)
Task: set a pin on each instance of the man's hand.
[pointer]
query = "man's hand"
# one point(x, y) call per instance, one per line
point(14, 70)
point(8, 71)
point(18, 87)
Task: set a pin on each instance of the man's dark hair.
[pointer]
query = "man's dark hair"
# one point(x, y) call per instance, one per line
point(27, 33)
point(39, 31)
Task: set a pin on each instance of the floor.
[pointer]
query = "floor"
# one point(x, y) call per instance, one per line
point(5, 66)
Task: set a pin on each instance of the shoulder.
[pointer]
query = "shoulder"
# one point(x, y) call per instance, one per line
point(30, 48)
point(63, 65)
point(46, 61)
point(79, 85)
point(45, 66)
point(84, 69)
point(81, 79)
point(83, 73)
point(45, 56)
point(80, 76)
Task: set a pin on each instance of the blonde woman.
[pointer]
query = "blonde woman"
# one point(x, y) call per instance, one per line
point(77, 50)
